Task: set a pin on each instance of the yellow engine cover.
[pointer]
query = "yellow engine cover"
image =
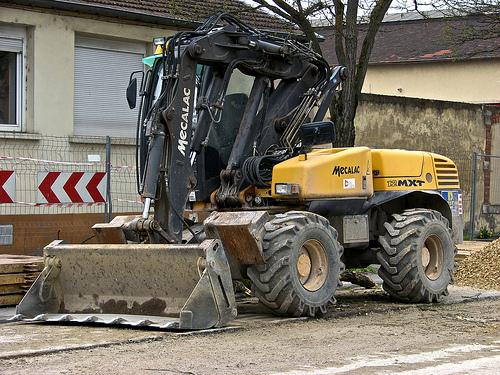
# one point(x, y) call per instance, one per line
point(328, 173)
point(413, 170)
point(359, 171)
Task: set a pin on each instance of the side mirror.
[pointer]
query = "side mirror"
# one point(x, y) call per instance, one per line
point(132, 93)
point(316, 133)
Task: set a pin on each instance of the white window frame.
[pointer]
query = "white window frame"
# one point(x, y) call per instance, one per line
point(18, 33)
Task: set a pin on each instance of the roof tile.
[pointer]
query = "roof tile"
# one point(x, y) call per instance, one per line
point(189, 10)
point(427, 40)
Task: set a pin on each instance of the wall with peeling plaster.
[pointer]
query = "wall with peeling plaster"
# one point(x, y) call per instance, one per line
point(453, 129)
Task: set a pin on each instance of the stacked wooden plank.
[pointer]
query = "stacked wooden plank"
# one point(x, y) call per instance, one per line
point(467, 248)
point(17, 273)
point(462, 254)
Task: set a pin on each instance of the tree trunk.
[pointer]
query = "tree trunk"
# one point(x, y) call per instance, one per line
point(343, 108)
point(343, 118)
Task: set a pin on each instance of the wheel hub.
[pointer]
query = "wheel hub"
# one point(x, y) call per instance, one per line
point(432, 257)
point(312, 265)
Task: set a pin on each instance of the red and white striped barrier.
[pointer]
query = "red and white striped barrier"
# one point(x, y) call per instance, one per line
point(71, 187)
point(7, 186)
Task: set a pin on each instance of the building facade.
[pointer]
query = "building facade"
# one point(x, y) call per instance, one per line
point(64, 69)
point(440, 58)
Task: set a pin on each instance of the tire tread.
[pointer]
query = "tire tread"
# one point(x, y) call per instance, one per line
point(398, 256)
point(272, 280)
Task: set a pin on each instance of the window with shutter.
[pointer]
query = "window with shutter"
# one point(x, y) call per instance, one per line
point(11, 77)
point(102, 72)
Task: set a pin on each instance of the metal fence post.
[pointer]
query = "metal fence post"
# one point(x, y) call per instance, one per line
point(108, 207)
point(473, 195)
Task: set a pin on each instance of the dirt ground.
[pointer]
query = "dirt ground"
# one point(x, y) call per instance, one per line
point(365, 332)
point(412, 340)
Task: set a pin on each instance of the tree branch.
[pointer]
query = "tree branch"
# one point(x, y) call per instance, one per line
point(339, 32)
point(299, 6)
point(376, 19)
point(275, 9)
point(286, 11)
point(351, 34)
point(287, 8)
point(314, 8)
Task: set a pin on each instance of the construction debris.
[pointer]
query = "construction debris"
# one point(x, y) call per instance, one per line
point(481, 269)
point(17, 273)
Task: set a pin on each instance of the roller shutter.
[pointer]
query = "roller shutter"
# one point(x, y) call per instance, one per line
point(102, 71)
point(11, 44)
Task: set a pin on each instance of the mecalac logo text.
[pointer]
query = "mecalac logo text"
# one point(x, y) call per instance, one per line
point(182, 142)
point(338, 170)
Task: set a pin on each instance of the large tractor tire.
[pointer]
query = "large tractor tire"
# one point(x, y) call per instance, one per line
point(302, 265)
point(417, 256)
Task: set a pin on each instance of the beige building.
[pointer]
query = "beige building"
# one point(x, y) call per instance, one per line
point(65, 65)
point(64, 69)
point(474, 81)
point(448, 58)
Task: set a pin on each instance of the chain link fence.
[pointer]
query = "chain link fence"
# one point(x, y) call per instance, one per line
point(28, 165)
point(32, 159)
point(484, 200)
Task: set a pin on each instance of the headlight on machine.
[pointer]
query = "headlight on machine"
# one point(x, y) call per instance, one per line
point(287, 189)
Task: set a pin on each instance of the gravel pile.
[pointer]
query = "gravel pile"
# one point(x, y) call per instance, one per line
point(481, 269)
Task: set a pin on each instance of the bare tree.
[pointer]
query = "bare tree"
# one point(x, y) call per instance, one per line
point(355, 24)
point(345, 17)
point(346, 32)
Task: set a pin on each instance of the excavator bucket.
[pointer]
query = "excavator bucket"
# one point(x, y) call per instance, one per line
point(170, 287)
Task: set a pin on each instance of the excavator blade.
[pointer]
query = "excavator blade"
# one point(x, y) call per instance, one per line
point(183, 287)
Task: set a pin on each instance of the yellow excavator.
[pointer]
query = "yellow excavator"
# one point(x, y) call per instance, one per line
point(236, 187)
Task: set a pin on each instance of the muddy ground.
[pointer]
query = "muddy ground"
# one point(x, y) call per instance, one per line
point(374, 336)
